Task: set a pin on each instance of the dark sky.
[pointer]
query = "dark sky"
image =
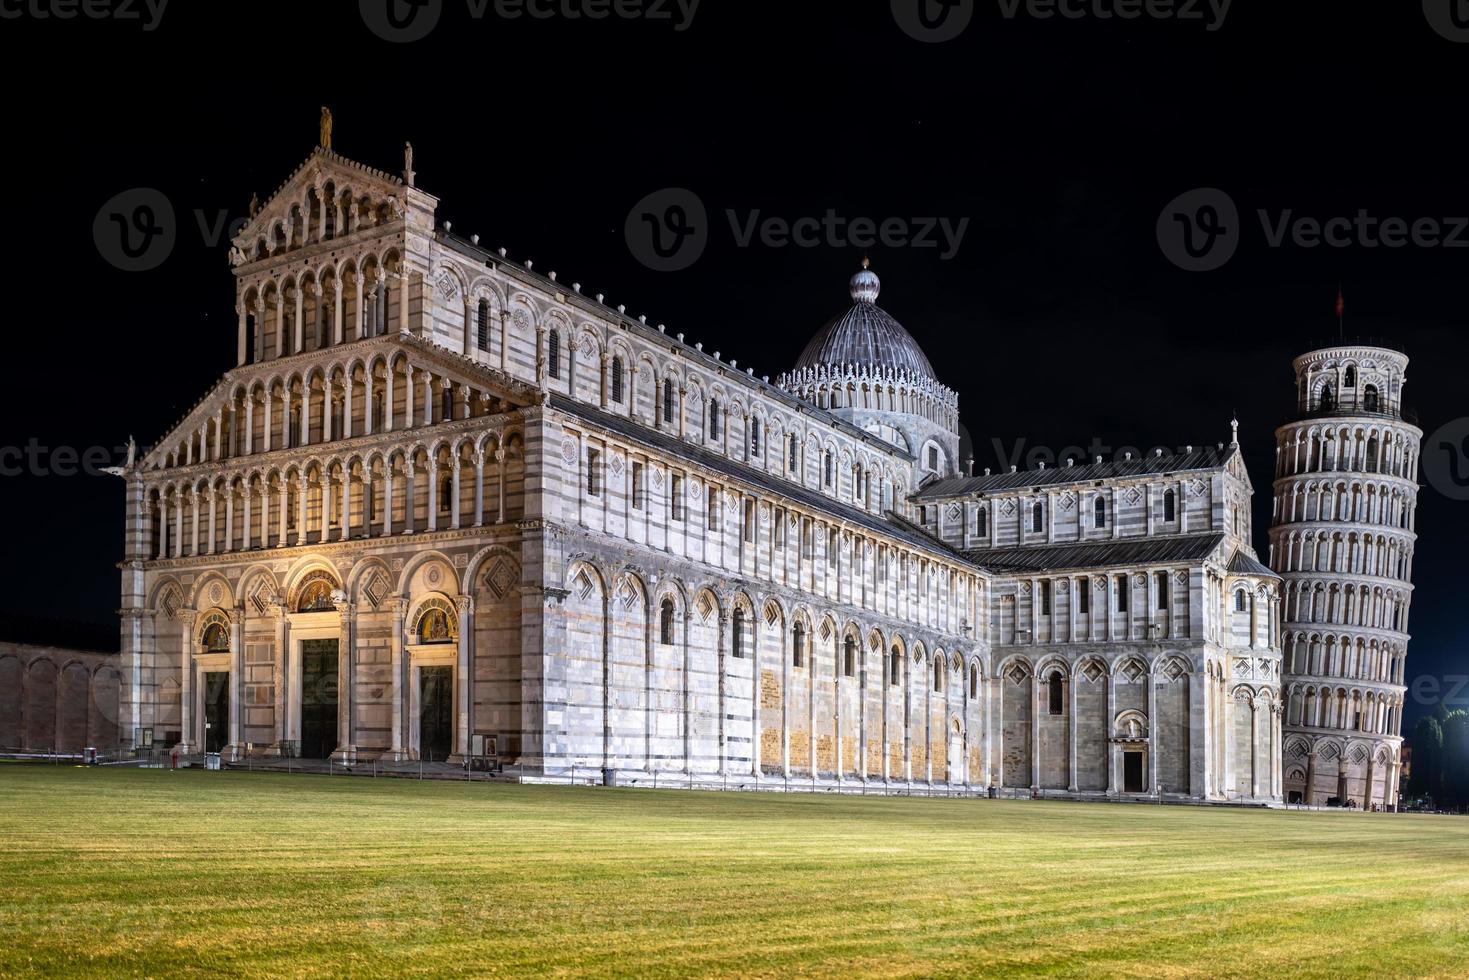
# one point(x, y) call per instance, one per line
point(1059, 319)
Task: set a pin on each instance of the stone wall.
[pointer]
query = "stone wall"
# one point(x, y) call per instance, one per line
point(57, 699)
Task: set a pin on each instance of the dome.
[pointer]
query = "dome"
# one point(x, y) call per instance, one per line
point(865, 336)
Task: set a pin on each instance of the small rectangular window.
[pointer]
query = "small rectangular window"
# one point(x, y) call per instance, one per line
point(778, 518)
point(1045, 598)
point(594, 473)
point(675, 498)
point(1084, 596)
point(747, 526)
point(1162, 590)
point(712, 515)
point(637, 486)
point(1122, 594)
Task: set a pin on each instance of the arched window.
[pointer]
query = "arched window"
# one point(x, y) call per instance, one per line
point(1170, 505)
point(1054, 693)
point(446, 494)
point(1239, 600)
point(1350, 380)
point(938, 675)
point(798, 645)
point(1369, 398)
point(983, 523)
point(793, 452)
point(1371, 466)
point(754, 437)
point(216, 638)
point(895, 669)
point(1037, 518)
point(849, 658)
point(1099, 512)
point(737, 632)
point(446, 405)
point(973, 681)
point(553, 353)
point(665, 622)
point(316, 594)
point(1328, 398)
point(482, 325)
point(713, 433)
point(826, 469)
point(667, 401)
point(616, 381)
point(434, 624)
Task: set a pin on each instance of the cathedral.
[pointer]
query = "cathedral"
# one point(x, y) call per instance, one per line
point(449, 507)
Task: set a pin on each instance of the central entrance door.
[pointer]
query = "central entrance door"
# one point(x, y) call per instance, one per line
point(318, 698)
point(435, 720)
point(216, 711)
point(1132, 772)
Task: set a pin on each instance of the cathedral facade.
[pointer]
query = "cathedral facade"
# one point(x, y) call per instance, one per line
point(448, 506)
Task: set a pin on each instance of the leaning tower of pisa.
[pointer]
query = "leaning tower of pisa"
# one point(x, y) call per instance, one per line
point(1346, 485)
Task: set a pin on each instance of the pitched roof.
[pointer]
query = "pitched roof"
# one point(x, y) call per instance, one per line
point(1242, 564)
point(1207, 458)
point(1098, 554)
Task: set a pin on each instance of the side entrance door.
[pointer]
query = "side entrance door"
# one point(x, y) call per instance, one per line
point(435, 720)
point(1132, 772)
point(318, 698)
point(216, 711)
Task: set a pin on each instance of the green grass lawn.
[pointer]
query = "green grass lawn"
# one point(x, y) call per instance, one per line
point(177, 873)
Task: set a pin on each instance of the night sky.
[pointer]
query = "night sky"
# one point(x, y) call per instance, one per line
point(1058, 319)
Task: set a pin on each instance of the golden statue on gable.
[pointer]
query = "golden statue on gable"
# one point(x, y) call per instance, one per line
point(326, 128)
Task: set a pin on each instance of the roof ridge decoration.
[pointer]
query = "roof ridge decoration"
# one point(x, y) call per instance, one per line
point(1193, 459)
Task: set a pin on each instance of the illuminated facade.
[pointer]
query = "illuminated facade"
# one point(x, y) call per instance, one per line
point(446, 504)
